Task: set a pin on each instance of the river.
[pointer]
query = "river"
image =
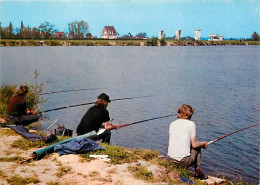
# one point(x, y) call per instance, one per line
point(220, 82)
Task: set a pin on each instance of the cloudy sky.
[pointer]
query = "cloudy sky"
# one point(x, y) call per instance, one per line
point(230, 18)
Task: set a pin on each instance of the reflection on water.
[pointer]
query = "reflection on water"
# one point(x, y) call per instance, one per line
point(221, 83)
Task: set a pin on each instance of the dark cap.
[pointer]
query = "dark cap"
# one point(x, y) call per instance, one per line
point(104, 96)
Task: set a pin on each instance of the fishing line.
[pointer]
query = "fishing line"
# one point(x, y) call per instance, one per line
point(65, 107)
point(53, 92)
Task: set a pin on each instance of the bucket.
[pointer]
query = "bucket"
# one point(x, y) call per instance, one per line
point(61, 131)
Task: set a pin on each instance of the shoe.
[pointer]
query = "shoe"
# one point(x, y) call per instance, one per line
point(200, 175)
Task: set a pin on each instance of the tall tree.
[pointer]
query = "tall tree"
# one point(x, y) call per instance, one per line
point(21, 35)
point(10, 30)
point(1, 30)
point(47, 29)
point(22, 26)
point(255, 36)
point(78, 30)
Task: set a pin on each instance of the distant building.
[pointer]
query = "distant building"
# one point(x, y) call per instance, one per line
point(215, 37)
point(109, 32)
point(129, 36)
point(89, 35)
point(178, 35)
point(197, 34)
point(59, 35)
point(141, 36)
point(161, 35)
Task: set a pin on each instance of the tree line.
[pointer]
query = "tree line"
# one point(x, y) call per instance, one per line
point(77, 30)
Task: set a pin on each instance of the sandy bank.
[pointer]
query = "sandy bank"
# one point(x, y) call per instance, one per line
point(71, 169)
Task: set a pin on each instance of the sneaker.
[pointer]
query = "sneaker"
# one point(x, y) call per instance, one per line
point(200, 175)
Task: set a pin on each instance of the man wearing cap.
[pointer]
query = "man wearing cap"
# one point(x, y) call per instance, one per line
point(18, 111)
point(95, 117)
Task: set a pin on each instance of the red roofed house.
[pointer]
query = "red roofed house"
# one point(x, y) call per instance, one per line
point(109, 32)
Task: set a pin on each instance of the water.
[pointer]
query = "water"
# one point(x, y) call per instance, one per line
point(221, 83)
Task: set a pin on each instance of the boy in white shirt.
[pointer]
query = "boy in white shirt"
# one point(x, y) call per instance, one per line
point(184, 149)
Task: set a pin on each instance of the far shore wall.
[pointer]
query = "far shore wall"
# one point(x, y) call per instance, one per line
point(118, 42)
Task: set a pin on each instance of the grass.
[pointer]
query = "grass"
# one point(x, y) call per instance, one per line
point(7, 132)
point(120, 155)
point(18, 180)
point(63, 170)
point(141, 172)
point(11, 159)
point(119, 42)
point(26, 144)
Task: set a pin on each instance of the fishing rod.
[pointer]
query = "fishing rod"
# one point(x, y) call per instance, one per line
point(213, 141)
point(128, 124)
point(53, 92)
point(65, 107)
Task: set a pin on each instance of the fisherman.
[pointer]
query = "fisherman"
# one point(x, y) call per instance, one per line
point(18, 111)
point(95, 117)
point(184, 149)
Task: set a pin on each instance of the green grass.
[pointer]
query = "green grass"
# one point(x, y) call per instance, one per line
point(18, 180)
point(141, 172)
point(118, 42)
point(11, 159)
point(26, 144)
point(63, 170)
point(120, 155)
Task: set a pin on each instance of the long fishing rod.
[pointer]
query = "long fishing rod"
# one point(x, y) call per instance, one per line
point(53, 92)
point(128, 124)
point(65, 107)
point(213, 141)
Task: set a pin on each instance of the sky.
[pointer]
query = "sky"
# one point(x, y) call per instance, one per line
point(228, 18)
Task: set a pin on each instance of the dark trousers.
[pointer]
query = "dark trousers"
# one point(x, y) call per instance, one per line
point(104, 137)
point(193, 159)
point(23, 120)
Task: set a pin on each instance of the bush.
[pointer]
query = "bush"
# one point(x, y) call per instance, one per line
point(163, 42)
point(33, 97)
point(152, 42)
point(6, 93)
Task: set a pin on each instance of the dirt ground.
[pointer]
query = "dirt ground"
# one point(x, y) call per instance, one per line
point(67, 169)
point(71, 169)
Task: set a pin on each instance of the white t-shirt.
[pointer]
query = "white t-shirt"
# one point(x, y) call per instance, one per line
point(180, 133)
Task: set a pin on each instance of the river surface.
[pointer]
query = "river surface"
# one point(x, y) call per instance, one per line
point(220, 82)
